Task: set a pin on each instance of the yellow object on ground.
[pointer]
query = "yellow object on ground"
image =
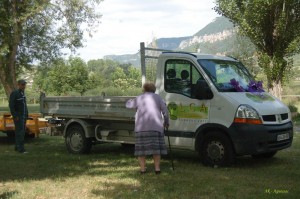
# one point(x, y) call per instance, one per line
point(33, 124)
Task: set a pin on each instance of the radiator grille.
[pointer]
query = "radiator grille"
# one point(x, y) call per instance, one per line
point(273, 118)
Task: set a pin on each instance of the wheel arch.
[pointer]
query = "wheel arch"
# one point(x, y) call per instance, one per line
point(88, 127)
point(209, 127)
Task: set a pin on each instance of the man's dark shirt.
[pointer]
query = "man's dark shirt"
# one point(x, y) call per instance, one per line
point(17, 104)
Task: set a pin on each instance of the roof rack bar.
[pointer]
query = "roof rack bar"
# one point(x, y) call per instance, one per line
point(151, 57)
point(187, 53)
point(157, 49)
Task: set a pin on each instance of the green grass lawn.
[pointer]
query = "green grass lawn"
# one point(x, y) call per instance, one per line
point(111, 171)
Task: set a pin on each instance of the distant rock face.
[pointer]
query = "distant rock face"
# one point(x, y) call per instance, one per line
point(206, 38)
point(170, 43)
point(213, 38)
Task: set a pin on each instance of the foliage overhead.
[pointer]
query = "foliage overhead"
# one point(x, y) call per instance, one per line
point(38, 30)
point(273, 26)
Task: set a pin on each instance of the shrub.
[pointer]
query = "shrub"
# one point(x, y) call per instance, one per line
point(293, 108)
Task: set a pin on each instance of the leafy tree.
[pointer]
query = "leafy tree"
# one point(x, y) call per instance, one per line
point(151, 72)
point(37, 30)
point(273, 26)
point(103, 66)
point(119, 79)
point(79, 76)
point(64, 76)
point(245, 52)
point(96, 80)
point(118, 74)
point(126, 67)
point(134, 77)
point(123, 81)
point(40, 79)
point(1, 90)
point(59, 79)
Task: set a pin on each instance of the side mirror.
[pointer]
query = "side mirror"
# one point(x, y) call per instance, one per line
point(202, 91)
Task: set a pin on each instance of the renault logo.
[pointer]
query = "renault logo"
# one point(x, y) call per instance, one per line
point(279, 118)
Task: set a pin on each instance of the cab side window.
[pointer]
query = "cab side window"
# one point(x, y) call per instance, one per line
point(181, 76)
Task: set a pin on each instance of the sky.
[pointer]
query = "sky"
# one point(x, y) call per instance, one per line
point(126, 23)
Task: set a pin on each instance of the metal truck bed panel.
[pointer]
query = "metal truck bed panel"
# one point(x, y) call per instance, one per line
point(96, 107)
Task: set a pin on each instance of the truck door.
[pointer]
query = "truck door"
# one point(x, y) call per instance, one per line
point(186, 112)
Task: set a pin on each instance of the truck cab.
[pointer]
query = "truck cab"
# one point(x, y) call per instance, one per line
point(213, 110)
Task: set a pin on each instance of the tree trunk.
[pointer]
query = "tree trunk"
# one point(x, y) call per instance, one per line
point(274, 68)
point(12, 37)
point(275, 88)
point(9, 83)
point(8, 72)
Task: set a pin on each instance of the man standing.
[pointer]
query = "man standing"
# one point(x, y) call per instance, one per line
point(19, 111)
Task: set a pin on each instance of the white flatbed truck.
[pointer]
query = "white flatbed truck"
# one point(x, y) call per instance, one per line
point(208, 113)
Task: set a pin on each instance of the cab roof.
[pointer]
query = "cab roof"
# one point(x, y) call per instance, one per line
point(197, 56)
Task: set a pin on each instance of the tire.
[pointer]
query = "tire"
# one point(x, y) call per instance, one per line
point(264, 155)
point(76, 141)
point(217, 150)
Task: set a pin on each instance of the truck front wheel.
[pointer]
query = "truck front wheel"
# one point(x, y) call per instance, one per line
point(76, 141)
point(217, 150)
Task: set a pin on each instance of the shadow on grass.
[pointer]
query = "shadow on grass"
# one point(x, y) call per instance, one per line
point(49, 159)
point(181, 157)
point(8, 194)
point(6, 140)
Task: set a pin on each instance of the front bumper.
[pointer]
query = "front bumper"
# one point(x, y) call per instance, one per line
point(251, 139)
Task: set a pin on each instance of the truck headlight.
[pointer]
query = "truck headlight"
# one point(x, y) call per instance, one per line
point(247, 114)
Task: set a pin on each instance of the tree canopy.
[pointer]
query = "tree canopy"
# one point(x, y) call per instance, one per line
point(38, 30)
point(273, 26)
point(64, 76)
point(74, 76)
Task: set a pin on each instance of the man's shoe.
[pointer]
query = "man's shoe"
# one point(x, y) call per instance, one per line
point(23, 151)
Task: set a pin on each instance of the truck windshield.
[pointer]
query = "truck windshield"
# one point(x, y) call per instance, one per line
point(222, 72)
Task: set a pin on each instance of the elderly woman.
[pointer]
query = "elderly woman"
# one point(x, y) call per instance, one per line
point(149, 126)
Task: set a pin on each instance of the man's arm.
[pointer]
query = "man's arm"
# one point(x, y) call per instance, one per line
point(12, 101)
point(26, 109)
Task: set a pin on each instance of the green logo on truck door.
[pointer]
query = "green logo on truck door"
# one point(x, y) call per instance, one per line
point(260, 97)
point(191, 111)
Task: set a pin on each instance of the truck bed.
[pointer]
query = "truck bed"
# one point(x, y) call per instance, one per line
point(95, 107)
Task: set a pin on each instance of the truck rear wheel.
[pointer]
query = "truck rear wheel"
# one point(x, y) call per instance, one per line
point(264, 155)
point(217, 150)
point(76, 141)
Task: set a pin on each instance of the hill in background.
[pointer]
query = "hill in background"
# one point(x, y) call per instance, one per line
point(215, 38)
point(218, 37)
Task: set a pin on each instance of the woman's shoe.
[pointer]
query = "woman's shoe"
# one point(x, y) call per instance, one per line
point(157, 172)
point(143, 172)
